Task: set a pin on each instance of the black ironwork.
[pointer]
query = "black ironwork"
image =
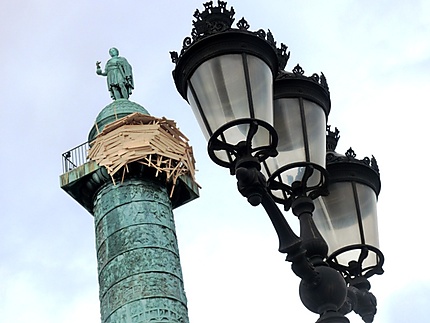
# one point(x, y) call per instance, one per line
point(322, 289)
point(205, 43)
point(327, 288)
point(242, 152)
point(360, 300)
point(332, 139)
point(298, 188)
point(214, 20)
point(350, 157)
point(300, 73)
point(372, 169)
point(289, 84)
point(355, 268)
point(314, 88)
point(366, 171)
point(75, 157)
point(347, 168)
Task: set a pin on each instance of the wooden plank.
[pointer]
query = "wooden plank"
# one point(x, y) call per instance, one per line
point(151, 141)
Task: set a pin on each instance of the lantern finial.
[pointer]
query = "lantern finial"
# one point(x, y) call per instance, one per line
point(332, 138)
point(219, 19)
point(212, 19)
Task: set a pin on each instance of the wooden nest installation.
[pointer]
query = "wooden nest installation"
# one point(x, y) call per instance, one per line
point(154, 142)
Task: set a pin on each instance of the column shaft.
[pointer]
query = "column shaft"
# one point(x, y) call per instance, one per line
point(139, 268)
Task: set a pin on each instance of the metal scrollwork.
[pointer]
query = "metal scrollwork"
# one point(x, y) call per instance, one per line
point(366, 161)
point(315, 77)
point(323, 81)
point(196, 14)
point(222, 4)
point(174, 56)
point(208, 5)
point(270, 39)
point(242, 24)
point(217, 26)
point(298, 70)
point(374, 164)
point(350, 154)
point(283, 56)
point(261, 33)
point(186, 43)
point(216, 19)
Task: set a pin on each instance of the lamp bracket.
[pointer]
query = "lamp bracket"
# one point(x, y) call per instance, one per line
point(322, 289)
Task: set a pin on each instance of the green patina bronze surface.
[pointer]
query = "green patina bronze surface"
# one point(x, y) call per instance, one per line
point(112, 112)
point(83, 182)
point(119, 75)
point(140, 274)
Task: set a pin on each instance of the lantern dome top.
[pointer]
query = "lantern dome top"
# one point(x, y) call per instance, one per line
point(219, 19)
point(299, 73)
point(348, 167)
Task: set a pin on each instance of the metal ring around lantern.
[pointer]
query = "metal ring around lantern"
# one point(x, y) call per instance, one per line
point(299, 188)
point(355, 268)
point(242, 151)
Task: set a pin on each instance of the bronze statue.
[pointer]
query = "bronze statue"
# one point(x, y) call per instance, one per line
point(119, 75)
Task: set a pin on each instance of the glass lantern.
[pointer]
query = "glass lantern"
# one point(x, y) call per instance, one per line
point(301, 108)
point(347, 217)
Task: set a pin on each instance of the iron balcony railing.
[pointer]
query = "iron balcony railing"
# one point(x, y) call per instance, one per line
point(75, 157)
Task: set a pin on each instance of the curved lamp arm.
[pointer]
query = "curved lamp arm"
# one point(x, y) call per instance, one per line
point(251, 183)
point(322, 289)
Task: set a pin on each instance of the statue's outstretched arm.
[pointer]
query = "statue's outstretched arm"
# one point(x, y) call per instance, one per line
point(99, 69)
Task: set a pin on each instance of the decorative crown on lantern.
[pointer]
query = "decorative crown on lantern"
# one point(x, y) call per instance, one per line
point(212, 19)
point(217, 19)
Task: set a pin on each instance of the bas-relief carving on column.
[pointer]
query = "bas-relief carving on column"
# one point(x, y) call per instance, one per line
point(129, 214)
point(130, 190)
point(167, 311)
point(142, 286)
point(135, 237)
point(137, 253)
point(136, 262)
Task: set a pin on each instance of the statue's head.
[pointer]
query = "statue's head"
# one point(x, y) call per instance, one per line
point(113, 52)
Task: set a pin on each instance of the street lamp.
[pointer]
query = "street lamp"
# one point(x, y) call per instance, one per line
point(268, 127)
point(301, 108)
point(347, 219)
point(227, 75)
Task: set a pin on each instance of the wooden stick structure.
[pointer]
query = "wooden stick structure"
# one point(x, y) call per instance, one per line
point(154, 142)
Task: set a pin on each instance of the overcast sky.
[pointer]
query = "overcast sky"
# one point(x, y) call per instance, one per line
point(376, 57)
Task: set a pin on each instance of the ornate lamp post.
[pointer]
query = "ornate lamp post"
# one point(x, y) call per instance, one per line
point(268, 127)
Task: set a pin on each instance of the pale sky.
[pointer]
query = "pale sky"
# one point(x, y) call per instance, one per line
point(376, 57)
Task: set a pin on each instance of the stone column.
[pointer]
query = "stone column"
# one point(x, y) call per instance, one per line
point(139, 269)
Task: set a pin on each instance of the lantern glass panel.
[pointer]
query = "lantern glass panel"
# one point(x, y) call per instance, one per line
point(301, 127)
point(368, 201)
point(230, 87)
point(348, 217)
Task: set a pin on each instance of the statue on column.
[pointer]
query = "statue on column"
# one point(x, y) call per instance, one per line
point(119, 75)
